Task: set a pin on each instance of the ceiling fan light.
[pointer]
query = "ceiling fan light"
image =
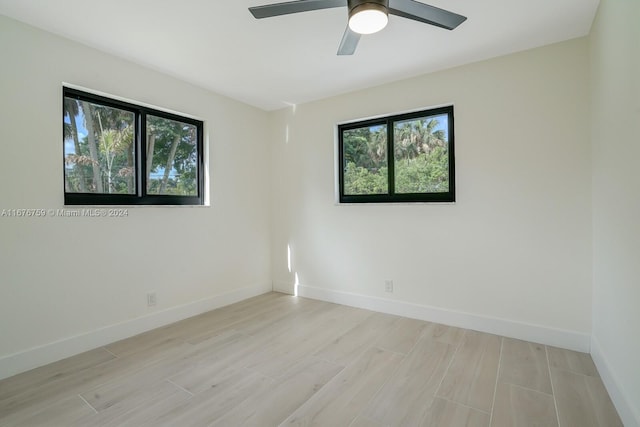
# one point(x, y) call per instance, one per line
point(368, 18)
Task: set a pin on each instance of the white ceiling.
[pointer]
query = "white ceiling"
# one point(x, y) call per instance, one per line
point(274, 62)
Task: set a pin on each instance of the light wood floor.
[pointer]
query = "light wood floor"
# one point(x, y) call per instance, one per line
point(281, 360)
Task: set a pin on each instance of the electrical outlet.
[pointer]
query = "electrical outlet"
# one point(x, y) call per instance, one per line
point(151, 299)
point(388, 285)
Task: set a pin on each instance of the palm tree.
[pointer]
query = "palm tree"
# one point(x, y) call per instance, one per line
point(377, 146)
point(112, 143)
point(93, 148)
point(71, 109)
point(407, 136)
point(432, 139)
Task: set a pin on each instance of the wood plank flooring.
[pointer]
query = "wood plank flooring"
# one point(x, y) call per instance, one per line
point(278, 360)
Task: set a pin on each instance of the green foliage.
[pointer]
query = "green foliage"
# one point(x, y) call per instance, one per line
point(112, 155)
point(104, 160)
point(366, 147)
point(420, 153)
point(358, 180)
point(173, 168)
point(426, 173)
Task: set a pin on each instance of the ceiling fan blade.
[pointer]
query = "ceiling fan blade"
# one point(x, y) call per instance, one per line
point(425, 13)
point(286, 8)
point(349, 42)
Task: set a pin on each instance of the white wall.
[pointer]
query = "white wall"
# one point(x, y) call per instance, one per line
point(83, 280)
point(615, 115)
point(516, 245)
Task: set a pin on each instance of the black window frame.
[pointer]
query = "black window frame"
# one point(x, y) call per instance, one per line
point(141, 197)
point(391, 196)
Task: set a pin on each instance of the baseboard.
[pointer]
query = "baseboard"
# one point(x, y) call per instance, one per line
point(628, 412)
point(284, 287)
point(32, 358)
point(529, 332)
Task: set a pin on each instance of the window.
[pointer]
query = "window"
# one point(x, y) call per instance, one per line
point(117, 153)
point(402, 158)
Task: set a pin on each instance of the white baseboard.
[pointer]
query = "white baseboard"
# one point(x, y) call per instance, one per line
point(509, 328)
point(284, 287)
point(32, 358)
point(628, 412)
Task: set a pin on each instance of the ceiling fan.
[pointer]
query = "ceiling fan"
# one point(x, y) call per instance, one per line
point(365, 16)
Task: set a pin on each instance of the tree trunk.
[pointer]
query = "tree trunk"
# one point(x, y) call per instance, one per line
point(130, 184)
point(93, 148)
point(151, 142)
point(76, 142)
point(167, 170)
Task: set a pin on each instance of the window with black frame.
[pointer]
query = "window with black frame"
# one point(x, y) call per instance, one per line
point(401, 158)
point(119, 153)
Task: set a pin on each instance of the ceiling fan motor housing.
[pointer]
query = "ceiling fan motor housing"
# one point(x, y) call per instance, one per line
point(356, 5)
